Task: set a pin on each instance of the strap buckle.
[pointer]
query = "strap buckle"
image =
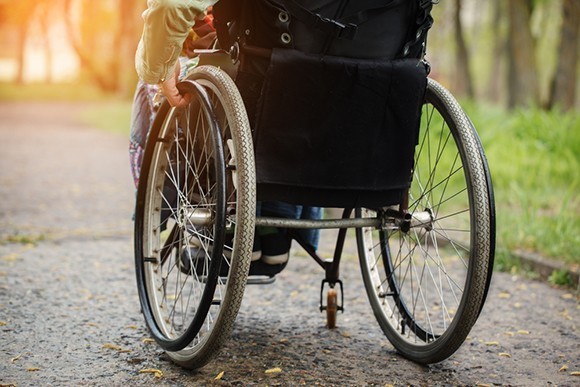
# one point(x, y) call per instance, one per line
point(335, 28)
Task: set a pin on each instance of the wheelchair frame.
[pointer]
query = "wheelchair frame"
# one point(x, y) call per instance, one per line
point(212, 276)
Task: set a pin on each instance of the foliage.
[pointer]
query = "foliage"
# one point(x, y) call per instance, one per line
point(51, 92)
point(113, 116)
point(486, 31)
point(534, 158)
point(561, 278)
point(103, 110)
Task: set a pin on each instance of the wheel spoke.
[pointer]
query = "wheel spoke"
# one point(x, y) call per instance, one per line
point(183, 212)
point(423, 289)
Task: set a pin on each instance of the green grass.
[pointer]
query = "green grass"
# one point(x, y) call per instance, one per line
point(51, 92)
point(102, 110)
point(534, 157)
point(112, 116)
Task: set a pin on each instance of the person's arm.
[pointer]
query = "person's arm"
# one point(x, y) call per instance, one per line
point(166, 25)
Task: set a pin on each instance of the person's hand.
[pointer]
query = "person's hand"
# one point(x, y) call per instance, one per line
point(170, 91)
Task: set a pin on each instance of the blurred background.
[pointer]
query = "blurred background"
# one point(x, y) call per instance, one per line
point(512, 64)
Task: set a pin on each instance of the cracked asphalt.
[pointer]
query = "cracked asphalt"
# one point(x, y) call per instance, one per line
point(69, 312)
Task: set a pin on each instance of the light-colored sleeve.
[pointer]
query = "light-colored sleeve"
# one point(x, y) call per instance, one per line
point(166, 25)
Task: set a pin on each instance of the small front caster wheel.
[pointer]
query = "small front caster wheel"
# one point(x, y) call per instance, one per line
point(331, 308)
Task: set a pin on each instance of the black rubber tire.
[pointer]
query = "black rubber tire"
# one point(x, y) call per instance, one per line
point(195, 217)
point(428, 283)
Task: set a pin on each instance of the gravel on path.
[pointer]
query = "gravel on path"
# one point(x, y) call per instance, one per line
point(69, 312)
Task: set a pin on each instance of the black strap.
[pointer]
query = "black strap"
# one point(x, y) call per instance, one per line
point(371, 7)
point(346, 28)
point(424, 23)
point(315, 20)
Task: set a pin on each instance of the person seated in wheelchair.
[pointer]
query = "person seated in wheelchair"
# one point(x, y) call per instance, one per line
point(171, 24)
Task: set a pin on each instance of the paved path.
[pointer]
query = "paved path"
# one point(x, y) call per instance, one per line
point(69, 312)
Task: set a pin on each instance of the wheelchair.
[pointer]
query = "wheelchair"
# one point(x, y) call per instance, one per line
point(426, 256)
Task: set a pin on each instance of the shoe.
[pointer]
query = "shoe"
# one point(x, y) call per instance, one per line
point(256, 247)
point(275, 246)
point(191, 255)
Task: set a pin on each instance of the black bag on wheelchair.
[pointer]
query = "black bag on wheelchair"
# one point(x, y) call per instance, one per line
point(334, 91)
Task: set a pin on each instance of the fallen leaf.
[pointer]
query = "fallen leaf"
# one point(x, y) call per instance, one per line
point(563, 368)
point(518, 305)
point(483, 385)
point(491, 343)
point(112, 346)
point(568, 296)
point(504, 354)
point(389, 385)
point(219, 376)
point(504, 295)
point(15, 358)
point(148, 340)
point(273, 370)
point(158, 373)
point(523, 332)
point(132, 326)
point(345, 334)
point(92, 324)
point(10, 257)
point(32, 369)
point(575, 373)
point(566, 314)
point(510, 334)
point(3, 323)
point(283, 341)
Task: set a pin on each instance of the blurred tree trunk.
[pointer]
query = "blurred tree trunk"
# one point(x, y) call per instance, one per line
point(493, 90)
point(463, 81)
point(126, 40)
point(44, 17)
point(102, 27)
point(523, 88)
point(89, 57)
point(21, 57)
point(22, 14)
point(563, 88)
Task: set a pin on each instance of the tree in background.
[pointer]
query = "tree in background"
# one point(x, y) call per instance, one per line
point(126, 39)
point(563, 88)
point(498, 51)
point(45, 13)
point(105, 37)
point(19, 13)
point(523, 87)
point(463, 81)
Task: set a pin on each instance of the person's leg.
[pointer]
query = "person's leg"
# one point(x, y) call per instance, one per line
point(275, 242)
point(142, 115)
point(312, 235)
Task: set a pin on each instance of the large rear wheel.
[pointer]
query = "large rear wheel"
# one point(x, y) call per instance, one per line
point(427, 275)
point(195, 216)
